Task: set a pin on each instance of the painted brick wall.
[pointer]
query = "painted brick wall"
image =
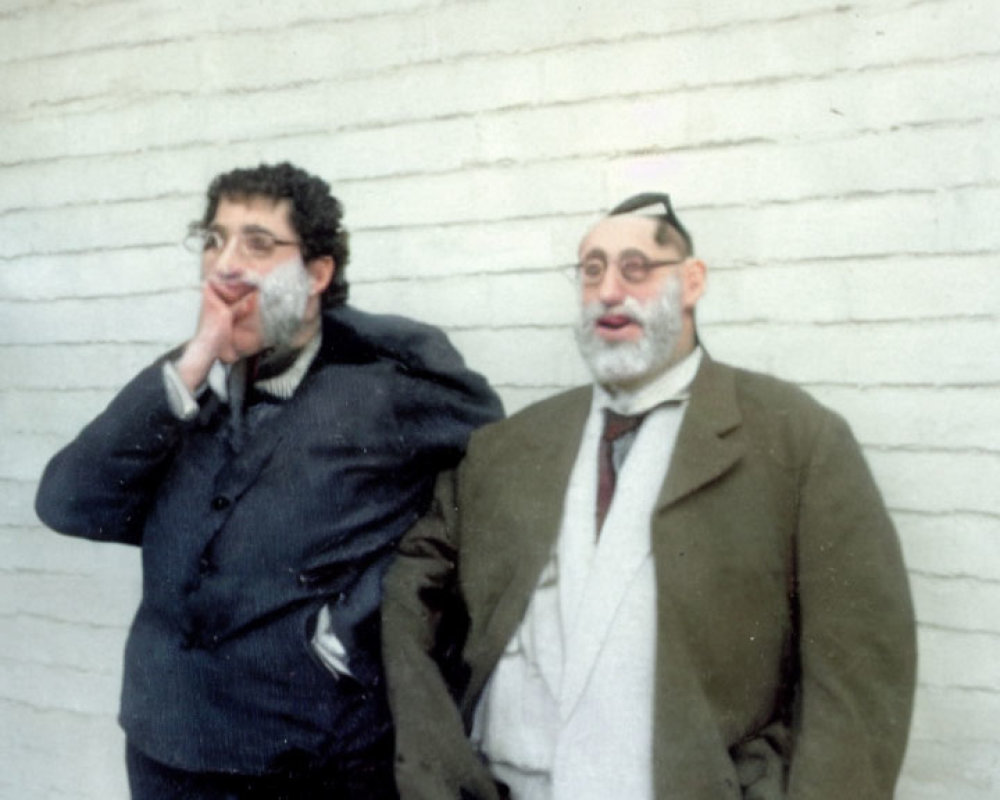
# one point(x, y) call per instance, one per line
point(837, 163)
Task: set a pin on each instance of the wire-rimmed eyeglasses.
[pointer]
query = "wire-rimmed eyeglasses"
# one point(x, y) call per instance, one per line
point(633, 267)
point(255, 243)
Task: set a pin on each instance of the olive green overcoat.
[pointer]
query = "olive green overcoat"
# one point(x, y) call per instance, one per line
point(785, 653)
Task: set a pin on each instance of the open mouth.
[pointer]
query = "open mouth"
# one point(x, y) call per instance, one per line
point(617, 326)
point(615, 321)
point(612, 323)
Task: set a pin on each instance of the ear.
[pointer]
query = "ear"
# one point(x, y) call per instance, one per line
point(693, 282)
point(321, 272)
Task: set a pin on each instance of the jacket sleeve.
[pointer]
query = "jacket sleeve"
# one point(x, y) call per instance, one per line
point(422, 630)
point(443, 401)
point(440, 400)
point(856, 631)
point(100, 485)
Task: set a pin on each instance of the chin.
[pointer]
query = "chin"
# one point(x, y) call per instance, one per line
point(625, 362)
point(615, 362)
point(245, 347)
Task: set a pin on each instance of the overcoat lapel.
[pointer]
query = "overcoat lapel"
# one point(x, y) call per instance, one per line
point(685, 765)
point(552, 443)
point(703, 452)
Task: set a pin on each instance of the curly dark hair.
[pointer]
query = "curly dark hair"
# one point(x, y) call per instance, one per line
point(315, 213)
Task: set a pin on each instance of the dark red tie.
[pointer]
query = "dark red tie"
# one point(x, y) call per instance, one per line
point(615, 426)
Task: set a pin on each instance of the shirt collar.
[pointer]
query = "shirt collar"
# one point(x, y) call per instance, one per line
point(673, 384)
point(284, 384)
point(281, 386)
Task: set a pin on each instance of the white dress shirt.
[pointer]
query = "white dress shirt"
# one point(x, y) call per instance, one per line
point(568, 710)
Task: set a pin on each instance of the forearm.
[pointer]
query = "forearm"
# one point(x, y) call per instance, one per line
point(99, 485)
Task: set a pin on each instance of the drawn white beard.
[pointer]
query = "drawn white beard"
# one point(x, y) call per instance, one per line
point(284, 293)
point(616, 363)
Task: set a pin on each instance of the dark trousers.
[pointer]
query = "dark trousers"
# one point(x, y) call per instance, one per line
point(364, 776)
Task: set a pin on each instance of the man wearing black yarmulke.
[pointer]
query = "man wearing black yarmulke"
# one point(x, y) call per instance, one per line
point(679, 582)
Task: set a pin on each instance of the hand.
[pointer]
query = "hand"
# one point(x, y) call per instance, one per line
point(223, 304)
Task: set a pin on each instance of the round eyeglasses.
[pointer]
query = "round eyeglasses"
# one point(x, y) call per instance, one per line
point(634, 268)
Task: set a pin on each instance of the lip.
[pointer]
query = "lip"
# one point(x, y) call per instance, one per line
point(232, 289)
point(617, 327)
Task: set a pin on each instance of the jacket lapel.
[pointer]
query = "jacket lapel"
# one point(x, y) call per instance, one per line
point(535, 485)
point(708, 446)
point(703, 452)
point(253, 452)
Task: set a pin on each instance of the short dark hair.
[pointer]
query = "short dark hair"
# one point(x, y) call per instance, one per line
point(315, 213)
point(668, 221)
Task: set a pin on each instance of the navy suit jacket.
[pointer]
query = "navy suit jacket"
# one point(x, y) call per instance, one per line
point(241, 548)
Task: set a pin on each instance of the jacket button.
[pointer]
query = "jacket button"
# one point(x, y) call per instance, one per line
point(219, 503)
point(205, 566)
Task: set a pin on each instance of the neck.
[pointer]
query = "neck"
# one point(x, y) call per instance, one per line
point(275, 360)
point(669, 384)
point(311, 323)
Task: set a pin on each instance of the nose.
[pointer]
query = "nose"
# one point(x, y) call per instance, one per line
point(227, 262)
point(611, 288)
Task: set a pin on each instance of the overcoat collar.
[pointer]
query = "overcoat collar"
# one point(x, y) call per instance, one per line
point(702, 453)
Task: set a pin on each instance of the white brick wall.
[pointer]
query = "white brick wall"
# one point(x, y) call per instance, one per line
point(837, 164)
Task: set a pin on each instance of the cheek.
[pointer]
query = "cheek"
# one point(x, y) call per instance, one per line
point(649, 292)
point(246, 310)
point(278, 263)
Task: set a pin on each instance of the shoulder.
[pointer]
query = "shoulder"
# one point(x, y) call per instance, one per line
point(751, 391)
point(406, 365)
point(352, 335)
point(554, 417)
point(758, 391)
point(782, 417)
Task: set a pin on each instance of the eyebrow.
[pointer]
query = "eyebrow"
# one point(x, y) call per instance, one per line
point(633, 251)
point(252, 228)
point(595, 252)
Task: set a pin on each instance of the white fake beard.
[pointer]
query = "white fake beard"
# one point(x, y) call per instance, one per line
point(616, 363)
point(284, 293)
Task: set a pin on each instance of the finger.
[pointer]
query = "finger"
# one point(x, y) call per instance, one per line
point(244, 307)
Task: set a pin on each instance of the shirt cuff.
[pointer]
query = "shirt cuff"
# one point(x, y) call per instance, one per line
point(180, 399)
point(328, 647)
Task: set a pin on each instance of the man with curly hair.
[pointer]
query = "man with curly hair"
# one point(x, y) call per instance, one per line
point(267, 469)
